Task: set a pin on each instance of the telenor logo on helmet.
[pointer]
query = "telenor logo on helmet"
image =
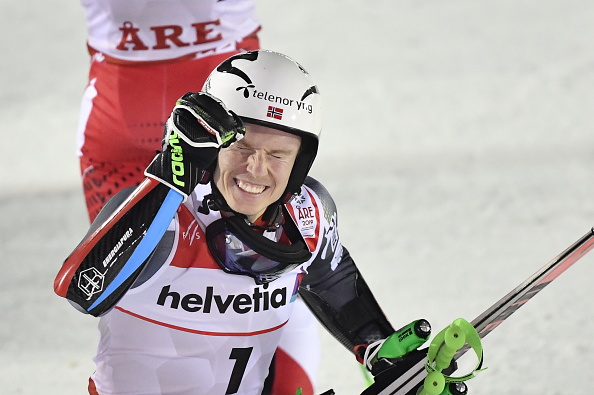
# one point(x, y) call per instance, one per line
point(256, 94)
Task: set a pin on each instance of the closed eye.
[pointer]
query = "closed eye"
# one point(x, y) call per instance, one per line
point(281, 155)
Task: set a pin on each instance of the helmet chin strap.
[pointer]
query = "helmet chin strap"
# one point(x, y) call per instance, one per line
point(273, 217)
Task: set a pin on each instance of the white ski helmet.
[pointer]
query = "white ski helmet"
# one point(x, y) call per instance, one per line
point(270, 89)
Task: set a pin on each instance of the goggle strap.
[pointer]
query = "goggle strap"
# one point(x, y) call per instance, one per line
point(296, 252)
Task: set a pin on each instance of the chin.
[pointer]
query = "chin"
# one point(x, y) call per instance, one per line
point(247, 210)
point(250, 205)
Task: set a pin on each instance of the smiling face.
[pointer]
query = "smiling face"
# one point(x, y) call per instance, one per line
point(253, 173)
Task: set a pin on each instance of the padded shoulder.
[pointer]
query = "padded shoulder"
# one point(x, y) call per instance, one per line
point(327, 201)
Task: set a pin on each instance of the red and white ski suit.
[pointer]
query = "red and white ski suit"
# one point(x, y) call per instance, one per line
point(191, 328)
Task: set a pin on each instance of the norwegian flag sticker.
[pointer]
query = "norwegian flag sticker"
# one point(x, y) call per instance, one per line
point(275, 112)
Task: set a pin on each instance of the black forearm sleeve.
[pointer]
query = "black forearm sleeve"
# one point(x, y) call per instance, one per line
point(344, 304)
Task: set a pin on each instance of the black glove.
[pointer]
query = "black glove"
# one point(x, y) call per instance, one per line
point(199, 126)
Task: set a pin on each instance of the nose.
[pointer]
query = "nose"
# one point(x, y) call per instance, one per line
point(256, 164)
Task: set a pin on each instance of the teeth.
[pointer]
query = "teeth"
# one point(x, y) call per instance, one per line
point(251, 188)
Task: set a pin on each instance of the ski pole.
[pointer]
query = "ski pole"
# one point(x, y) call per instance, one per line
point(378, 356)
point(441, 352)
point(406, 339)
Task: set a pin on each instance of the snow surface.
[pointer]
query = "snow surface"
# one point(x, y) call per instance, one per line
point(457, 143)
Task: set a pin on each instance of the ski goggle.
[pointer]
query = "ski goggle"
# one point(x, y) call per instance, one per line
point(239, 249)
